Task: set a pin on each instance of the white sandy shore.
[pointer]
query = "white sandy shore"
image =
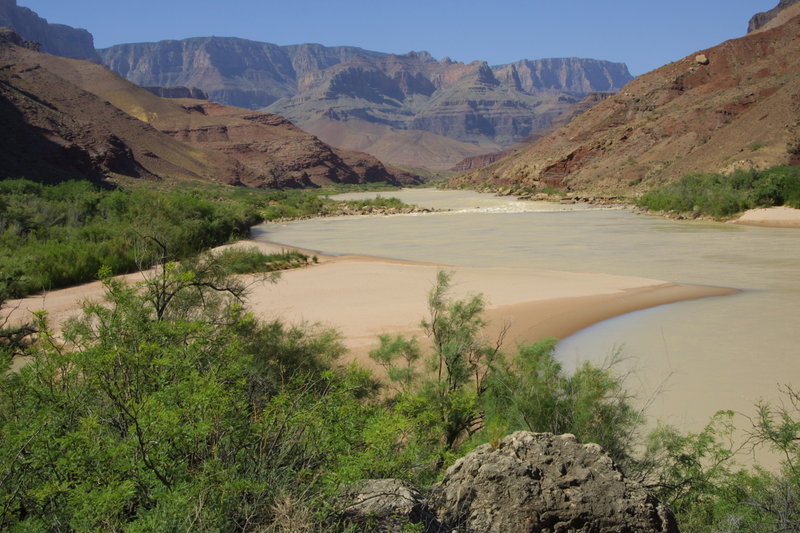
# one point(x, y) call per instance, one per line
point(363, 297)
point(776, 217)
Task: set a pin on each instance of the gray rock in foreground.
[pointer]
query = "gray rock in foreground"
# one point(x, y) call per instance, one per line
point(388, 506)
point(538, 482)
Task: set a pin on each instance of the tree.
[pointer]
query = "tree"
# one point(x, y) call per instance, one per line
point(191, 415)
point(530, 391)
point(444, 401)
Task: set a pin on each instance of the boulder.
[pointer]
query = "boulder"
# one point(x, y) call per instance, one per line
point(387, 506)
point(539, 482)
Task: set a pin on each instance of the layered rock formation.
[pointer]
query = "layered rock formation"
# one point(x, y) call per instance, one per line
point(483, 160)
point(483, 108)
point(732, 106)
point(59, 122)
point(760, 20)
point(527, 482)
point(56, 39)
point(411, 99)
point(231, 71)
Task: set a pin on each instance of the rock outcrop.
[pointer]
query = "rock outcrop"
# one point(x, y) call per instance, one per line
point(541, 482)
point(9, 37)
point(732, 106)
point(388, 506)
point(526, 483)
point(56, 39)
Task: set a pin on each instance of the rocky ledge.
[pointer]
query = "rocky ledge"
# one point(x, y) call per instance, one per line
point(525, 483)
point(345, 210)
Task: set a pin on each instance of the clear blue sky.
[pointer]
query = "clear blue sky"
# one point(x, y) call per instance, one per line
point(645, 34)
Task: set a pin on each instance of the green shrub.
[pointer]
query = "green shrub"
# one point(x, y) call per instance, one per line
point(58, 235)
point(530, 391)
point(252, 260)
point(722, 196)
point(170, 408)
point(469, 392)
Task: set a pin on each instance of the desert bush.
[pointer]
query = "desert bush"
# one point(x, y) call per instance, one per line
point(58, 235)
point(530, 391)
point(252, 260)
point(721, 196)
point(168, 407)
point(470, 392)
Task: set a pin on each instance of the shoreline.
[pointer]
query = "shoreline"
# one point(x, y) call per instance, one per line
point(364, 296)
point(772, 217)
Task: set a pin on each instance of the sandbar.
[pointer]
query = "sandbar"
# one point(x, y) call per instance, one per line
point(775, 217)
point(363, 297)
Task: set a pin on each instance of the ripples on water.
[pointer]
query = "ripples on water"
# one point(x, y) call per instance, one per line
point(701, 356)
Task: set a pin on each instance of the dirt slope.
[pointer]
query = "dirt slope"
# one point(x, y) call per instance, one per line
point(150, 136)
point(736, 105)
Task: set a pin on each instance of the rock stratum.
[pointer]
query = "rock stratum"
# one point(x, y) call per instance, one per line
point(527, 482)
point(773, 17)
point(480, 161)
point(56, 39)
point(409, 109)
point(67, 118)
point(736, 105)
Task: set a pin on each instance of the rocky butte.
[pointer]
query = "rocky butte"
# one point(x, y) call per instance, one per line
point(56, 39)
point(779, 12)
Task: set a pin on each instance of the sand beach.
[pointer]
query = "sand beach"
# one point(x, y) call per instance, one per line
point(775, 217)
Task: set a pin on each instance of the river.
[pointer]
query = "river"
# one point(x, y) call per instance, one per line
point(687, 360)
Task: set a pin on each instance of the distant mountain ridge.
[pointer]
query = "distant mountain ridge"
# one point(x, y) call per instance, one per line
point(56, 39)
point(323, 89)
point(408, 109)
point(230, 70)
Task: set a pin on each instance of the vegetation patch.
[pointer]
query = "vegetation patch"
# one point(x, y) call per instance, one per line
point(53, 236)
point(722, 196)
point(379, 202)
point(168, 407)
point(251, 260)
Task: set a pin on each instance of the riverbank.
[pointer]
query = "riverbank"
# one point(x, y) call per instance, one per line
point(773, 217)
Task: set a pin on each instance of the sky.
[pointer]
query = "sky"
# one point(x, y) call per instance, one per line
point(644, 34)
